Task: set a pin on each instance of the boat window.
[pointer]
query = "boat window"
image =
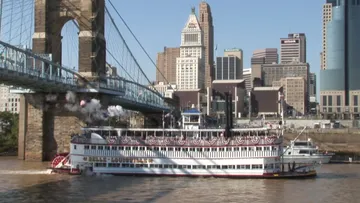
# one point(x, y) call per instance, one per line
point(156, 148)
point(206, 149)
point(177, 149)
point(199, 149)
point(141, 148)
point(302, 144)
point(231, 166)
point(127, 148)
point(258, 148)
point(192, 149)
point(163, 149)
point(303, 151)
point(121, 148)
point(131, 165)
point(214, 149)
point(166, 166)
point(170, 149)
point(257, 166)
point(221, 149)
point(74, 146)
point(289, 152)
point(224, 167)
point(135, 148)
point(185, 149)
point(274, 148)
point(100, 147)
point(113, 148)
point(93, 147)
point(86, 147)
point(107, 148)
point(188, 167)
point(236, 149)
point(229, 149)
point(266, 148)
point(243, 148)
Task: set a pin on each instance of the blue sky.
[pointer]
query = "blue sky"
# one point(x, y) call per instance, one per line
point(248, 25)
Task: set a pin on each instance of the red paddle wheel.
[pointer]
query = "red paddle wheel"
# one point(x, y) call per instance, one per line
point(59, 158)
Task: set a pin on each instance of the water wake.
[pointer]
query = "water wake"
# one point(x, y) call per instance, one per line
point(24, 172)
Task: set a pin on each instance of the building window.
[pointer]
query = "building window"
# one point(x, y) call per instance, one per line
point(329, 110)
point(338, 109)
point(338, 100)
point(324, 100)
point(356, 109)
point(355, 100)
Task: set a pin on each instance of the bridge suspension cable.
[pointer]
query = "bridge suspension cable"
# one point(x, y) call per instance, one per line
point(16, 22)
point(139, 43)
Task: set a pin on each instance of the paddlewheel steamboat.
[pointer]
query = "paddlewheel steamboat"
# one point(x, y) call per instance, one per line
point(188, 151)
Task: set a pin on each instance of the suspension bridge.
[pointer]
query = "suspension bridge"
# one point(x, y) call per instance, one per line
point(33, 59)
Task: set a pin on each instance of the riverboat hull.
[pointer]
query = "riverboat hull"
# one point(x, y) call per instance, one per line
point(280, 175)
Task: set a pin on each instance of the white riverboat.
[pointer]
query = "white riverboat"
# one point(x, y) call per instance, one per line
point(305, 152)
point(188, 151)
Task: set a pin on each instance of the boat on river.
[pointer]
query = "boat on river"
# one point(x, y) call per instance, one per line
point(305, 152)
point(190, 150)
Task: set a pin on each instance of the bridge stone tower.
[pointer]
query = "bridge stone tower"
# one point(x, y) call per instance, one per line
point(51, 16)
point(44, 130)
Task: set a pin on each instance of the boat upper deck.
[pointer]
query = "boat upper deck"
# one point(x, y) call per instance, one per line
point(178, 137)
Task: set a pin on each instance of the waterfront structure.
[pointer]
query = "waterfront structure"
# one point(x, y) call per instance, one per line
point(217, 104)
point(207, 27)
point(166, 65)
point(190, 66)
point(9, 102)
point(265, 101)
point(339, 82)
point(294, 91)
point(293, 48)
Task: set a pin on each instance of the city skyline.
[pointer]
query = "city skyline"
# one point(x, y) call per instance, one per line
point(244, 34)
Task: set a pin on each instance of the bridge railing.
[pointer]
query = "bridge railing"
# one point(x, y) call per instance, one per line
point(40, 66)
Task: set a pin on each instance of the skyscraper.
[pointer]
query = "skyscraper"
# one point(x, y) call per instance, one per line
point(327, 15)
point(166, 63)
point(190, 66)
point(206, 24)
point(293, 48)
point(339, 82)
point(265, 56)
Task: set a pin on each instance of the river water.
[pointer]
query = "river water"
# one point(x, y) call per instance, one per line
point(31, 182)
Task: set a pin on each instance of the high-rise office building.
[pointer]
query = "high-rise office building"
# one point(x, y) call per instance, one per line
point(190, 66)
point(293, 48)
point(260, 57)
point(207, 27)
point(327, 15)
point(228, 68)
point(312, 85)
point(166, 64)
point(265, 56)
point(339, 82)
point(247, 78)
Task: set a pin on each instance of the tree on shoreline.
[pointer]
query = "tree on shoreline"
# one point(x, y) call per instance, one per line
point(9, 128)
